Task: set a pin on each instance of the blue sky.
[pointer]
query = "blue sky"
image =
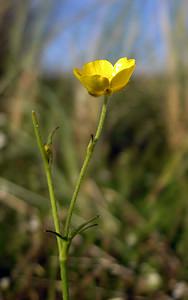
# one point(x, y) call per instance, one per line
point(92, 29)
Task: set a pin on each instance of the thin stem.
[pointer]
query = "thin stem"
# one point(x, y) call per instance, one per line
point(64, 270)
point(47, 169)
point(87, 159)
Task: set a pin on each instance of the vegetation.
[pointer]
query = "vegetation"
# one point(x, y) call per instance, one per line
point(137, 181)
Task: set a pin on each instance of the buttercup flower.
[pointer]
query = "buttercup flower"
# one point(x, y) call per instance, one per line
point(100, 77)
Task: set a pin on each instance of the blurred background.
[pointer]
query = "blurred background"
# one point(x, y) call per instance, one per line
point(138, 178)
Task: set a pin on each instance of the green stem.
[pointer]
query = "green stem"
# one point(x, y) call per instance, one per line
point(64, 270)
point(87, 159)
point(61, 249)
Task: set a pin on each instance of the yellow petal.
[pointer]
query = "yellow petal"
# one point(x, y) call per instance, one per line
point(100, 77)
point(96, 85)
point(121, 64)
point(120, 80)
point(77, 73)
point(98, 67)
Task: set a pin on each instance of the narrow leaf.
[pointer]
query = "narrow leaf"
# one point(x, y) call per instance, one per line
point(87, 227)
point(83, 226)
point(57, 234)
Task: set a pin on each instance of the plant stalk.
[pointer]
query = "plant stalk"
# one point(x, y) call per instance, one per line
point(62, 248)
point(89, 152)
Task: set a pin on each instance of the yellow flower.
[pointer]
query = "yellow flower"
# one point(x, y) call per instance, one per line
point(100, 77)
